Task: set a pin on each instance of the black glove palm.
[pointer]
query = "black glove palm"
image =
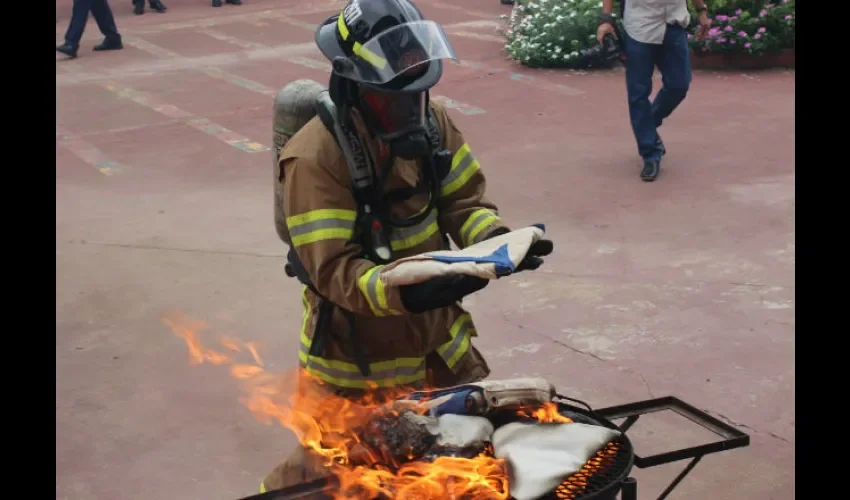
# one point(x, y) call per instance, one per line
point(532, 259)
point(439, 292)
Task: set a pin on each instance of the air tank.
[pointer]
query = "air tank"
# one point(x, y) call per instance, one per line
point(294, 106)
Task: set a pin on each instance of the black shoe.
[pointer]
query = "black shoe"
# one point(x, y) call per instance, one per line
point(108, 44)
point(650, 171)
point(138, 7)
point(158, 6)
point(67, 50)
point(216, 3)
point(233, 2)
point(507, 2)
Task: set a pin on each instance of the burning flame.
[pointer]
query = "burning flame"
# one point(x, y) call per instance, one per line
point(329, 427)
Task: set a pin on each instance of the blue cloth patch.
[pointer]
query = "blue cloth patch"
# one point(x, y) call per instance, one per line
point(500, 258)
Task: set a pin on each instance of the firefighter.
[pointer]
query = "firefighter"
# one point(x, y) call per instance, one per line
point(426, 186)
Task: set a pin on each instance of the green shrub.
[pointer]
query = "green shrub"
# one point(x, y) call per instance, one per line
point(552, 33)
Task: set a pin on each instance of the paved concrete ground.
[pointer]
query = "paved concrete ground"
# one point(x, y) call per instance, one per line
point(681, 287)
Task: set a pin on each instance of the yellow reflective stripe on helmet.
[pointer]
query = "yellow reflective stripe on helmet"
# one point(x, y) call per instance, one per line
point(364, 53)
point(321, 224)
point(475, 223)
point(372, 288)
point(461, 331)
point(408, 237)
point(464, 166)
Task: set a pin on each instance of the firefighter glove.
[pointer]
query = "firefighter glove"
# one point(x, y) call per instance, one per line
point(532, 259)
point(439, 292)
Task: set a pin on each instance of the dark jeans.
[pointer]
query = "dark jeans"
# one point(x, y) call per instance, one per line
point(673, 59)
point(80, 15)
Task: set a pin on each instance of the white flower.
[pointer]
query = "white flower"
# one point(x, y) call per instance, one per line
point(574, 54)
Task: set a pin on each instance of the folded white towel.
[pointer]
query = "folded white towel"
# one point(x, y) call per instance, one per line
point(542, 456)
point(488, 259)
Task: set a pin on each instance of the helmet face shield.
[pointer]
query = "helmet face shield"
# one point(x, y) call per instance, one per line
point(406, 49)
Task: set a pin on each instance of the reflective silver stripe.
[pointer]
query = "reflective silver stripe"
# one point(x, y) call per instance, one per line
point(457, 342)
point(372, 287)
point(472, 224)
point(459, 170)
point(408, 237)
point(336, 373)
point(321, 224)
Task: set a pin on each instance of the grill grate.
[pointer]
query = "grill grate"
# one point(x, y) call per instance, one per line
point(610, 463)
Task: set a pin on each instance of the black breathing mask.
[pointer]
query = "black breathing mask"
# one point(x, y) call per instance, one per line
point(398, 119)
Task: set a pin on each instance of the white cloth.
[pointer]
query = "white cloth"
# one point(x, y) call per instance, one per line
point(488, 259)
point(461, 430)
point(646, 20)
point(542, 456)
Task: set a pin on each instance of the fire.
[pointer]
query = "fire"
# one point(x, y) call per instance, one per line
point(330, 427)
point(547, 414)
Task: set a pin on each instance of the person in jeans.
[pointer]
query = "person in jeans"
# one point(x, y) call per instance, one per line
point(105, 22)
point(139, 6)
point(655, 34)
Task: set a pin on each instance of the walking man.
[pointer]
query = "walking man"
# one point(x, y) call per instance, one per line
point(105, 22)
point(655, 34)
point(139, 6)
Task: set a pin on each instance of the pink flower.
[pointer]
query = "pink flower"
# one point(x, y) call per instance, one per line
point(733, 42)
point(721, 40)
point(690, 36)
point(788, 17)
point(738, 12)
point(762, 29)
point(713, 31)
point(758, 35)
point(722, 18)
point(743, 34)
point(762, 13)
point(748, 45)
point(733, 18)
point(768, 6)
point(728, 28)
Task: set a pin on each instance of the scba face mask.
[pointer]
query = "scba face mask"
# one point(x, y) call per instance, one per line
point(399, 119)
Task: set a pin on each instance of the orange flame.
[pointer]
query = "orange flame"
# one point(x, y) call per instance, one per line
point(327, 426)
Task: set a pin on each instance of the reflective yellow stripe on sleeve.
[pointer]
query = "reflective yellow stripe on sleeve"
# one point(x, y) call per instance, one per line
point(472, 229)
point(322, 224)
point(372, 288)
point(464, 166)
point(262, 487)
point(461, 331)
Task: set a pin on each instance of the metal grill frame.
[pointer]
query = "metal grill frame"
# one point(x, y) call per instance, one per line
point(625, 485)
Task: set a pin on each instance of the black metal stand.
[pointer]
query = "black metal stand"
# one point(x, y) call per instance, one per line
point(732, 438)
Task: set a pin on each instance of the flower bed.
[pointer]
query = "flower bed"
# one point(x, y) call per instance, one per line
point(741, 38)
point(553, 33)
point(562, 34)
